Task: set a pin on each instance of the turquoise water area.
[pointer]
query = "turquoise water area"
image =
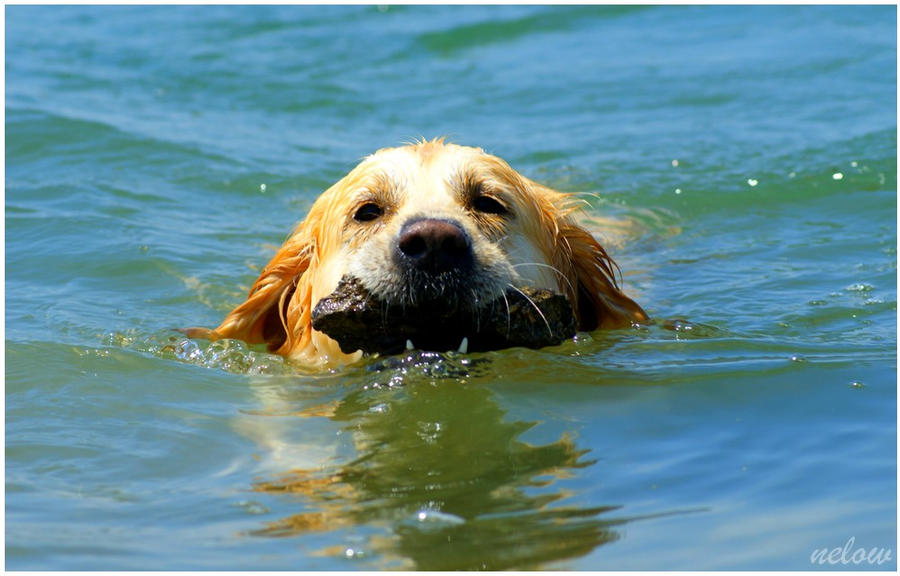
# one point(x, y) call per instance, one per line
point(156, 156)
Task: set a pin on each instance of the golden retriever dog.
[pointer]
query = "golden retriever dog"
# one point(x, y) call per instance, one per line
point(431, 225)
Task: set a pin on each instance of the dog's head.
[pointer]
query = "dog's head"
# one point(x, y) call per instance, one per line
point(429, 226)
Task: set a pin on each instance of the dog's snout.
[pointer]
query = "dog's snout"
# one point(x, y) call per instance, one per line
point(434, 245)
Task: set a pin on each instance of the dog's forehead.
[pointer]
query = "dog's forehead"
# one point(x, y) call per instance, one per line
point(430, 160)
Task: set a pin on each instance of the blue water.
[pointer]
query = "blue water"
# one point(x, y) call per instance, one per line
point(156, 156)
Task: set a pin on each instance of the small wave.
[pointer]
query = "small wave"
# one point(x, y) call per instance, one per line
point(686, 329)
point(496, 30)
point(232, 356)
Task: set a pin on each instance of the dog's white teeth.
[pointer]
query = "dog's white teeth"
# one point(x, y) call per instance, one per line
point(464, 345)
point(409, 345)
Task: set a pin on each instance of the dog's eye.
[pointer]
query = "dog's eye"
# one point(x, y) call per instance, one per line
point(489, 205)
point(368, 212)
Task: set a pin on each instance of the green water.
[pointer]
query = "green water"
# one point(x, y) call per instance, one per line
point(156, 156)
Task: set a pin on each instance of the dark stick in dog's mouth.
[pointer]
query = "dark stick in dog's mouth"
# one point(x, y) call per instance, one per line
point(525, 317)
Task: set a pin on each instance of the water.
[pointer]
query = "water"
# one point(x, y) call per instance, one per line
point(155, 156)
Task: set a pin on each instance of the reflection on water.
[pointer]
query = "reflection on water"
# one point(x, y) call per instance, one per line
point(439, 465)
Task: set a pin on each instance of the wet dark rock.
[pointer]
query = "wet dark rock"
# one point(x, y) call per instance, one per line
point(531, 318)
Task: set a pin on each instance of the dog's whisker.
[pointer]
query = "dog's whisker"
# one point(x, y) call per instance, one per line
point(508, 316)
point(475, 313)
point(536, 307)
point(553, 268)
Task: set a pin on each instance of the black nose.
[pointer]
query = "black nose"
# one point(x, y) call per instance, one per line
point(434, 246)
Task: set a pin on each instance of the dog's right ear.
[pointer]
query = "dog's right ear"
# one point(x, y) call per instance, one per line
point(589, 272)
point(273, 311)
point(599, 302)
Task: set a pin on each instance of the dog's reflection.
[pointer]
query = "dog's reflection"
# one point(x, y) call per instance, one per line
point(449, 479)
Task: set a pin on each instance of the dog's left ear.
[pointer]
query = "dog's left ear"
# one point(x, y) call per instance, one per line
point(598, 301)
point(276, 311)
